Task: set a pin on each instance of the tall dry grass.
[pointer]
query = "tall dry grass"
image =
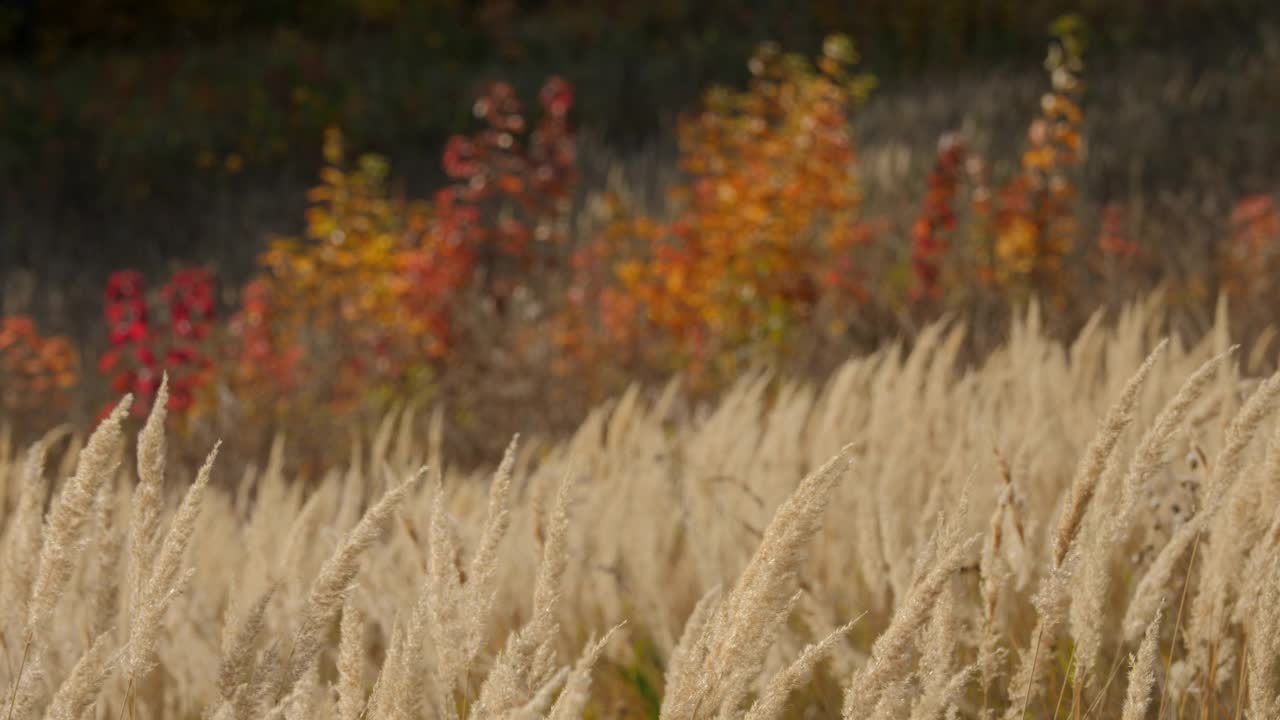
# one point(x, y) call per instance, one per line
point(1036, 536)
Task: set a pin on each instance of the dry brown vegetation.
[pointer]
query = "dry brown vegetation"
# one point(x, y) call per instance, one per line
point(1075, 531)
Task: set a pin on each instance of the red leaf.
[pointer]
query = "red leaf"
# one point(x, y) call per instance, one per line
point(108, 361)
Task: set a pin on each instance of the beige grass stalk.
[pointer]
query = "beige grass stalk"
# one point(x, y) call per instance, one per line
point(106, 591)
point(300, 702)
point(548, 585)
point(942, 684)
point(684, 667)
point(1240, 433)
point(1155, 443)
point(891, 652)
point(572, 701)
point(351, 663)
point(894, 702)
point(1142, 676)
point(144, 520)
point(821, 620)
point(382, 700)
point(773, 698)
point(946, 530)
point(330, 586)
point(63, 537)
point(943, 701)
point(239, 643)
point(458, 615)
point(734, 693)
point(65, 526)
point(1088, 475)
point(436, 614)
point(253, 699)
point(1236, 528)
point(1255, 570)
point(993, 575)
point(166, 578)
point(22, 543)
point(28, 693)
point(1264, 646)
point(79, 692)
point(536, 707)
point(406, 687)
point(1050, 599)
point(763, 593)
point(1087, 613)
point(1025, 684)
point(454, 615)
point(738, 635)
point(527, 661)
point(1150, 591)
point(482, 580)
point(442, 602)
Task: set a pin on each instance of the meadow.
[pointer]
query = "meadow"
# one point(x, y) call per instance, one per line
point(785, 419)
point(1061, 531)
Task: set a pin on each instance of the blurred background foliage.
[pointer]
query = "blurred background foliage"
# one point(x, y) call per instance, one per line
point(351, 206)
point(107, 108)
point(145, 113)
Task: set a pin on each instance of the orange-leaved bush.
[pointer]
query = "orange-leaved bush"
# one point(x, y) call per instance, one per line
point(1035, 220)
point(358, 303)
point(770, 206)
point(37, 371)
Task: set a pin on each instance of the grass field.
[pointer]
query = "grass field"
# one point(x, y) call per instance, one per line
point(1059, 531)
point(844, 391)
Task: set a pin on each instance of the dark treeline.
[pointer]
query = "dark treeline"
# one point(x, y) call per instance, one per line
point(906, 34)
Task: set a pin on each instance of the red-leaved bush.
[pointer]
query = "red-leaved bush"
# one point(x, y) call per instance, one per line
point(146, 345)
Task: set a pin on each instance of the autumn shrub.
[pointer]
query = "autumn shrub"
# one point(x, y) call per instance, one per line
point(511, 184)
point(769, 209)
point(768, 243)
point(763, 246)
point(930, 234)
point(37, 371)
point(364, 308)
point(1017, 237)
point(1035, 220)
point(328, 322)
point(1252, 260)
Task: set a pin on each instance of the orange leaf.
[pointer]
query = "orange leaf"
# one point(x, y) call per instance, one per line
point(511, 184)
